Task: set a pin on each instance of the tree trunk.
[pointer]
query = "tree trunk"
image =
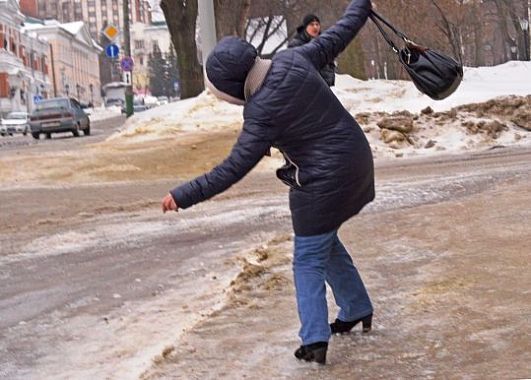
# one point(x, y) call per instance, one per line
point(181, 19)
point(352, 61)
point(231, 17)
point(504, 28)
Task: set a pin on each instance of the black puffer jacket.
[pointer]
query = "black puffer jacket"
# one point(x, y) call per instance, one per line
point(295, 111)
point(328, 71)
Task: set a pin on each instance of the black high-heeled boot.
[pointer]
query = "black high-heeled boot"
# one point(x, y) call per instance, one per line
point(315, 352)
point(340, 327)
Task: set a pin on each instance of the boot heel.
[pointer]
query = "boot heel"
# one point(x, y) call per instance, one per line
point(367, 324)
point(319, 355)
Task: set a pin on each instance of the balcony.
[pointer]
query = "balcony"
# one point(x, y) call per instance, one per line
point(9, 61)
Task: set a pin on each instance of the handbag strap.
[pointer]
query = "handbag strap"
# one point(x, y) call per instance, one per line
point(377, 17)
point(378, 20)
point(384, 33)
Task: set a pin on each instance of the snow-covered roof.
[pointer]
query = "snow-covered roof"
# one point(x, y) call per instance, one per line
point(73, 27)
point(77, 29)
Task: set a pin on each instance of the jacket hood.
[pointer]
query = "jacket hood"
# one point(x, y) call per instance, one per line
point(228, 65)
point(303, 35)
point(301, 29)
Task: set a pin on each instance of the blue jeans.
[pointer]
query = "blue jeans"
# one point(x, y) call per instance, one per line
point(318, 259)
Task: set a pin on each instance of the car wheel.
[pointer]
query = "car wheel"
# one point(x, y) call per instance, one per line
point(48, 136)
point(76, 131)
point(86, 132)
point(36, 135)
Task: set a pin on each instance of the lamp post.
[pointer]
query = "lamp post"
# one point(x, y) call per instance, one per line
point(78, 87)
point(524, 24)
point(67, 90)
point(207, 28)
point(63, 78)
point(91, 88)
point(129, 110)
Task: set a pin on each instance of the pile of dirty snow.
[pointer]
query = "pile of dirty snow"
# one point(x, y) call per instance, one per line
point(419, 125)
point(200, 114)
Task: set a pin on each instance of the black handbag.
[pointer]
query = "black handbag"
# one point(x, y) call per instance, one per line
point(433, 73)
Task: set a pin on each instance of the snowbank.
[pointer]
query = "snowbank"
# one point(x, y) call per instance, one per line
point(102, 113)
point(200, 114)
point(455, 131)
point(479, 85)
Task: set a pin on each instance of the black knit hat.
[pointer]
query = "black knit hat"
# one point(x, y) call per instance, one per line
point(308, 19)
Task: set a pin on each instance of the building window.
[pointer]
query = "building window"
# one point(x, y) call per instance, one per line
point(43, 64)
point(139, 44)
point(22, 54)
point(3, 40)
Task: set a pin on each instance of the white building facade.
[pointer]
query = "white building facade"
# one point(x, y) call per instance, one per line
point(144, 38)
point(24, 62)
point(75, 59)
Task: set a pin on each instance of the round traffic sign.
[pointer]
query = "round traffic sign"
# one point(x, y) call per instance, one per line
point(127, 64)
point(112, 51)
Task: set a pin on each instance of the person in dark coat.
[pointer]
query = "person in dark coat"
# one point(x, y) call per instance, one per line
point(288, 106)
point(311, 28)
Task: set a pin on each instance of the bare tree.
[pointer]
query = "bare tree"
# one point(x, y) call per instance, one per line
point(181, 16)
point(259, 31)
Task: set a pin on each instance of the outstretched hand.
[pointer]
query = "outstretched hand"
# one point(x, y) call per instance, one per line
point(168, 204)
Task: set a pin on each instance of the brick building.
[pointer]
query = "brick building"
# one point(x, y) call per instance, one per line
point(96, 13)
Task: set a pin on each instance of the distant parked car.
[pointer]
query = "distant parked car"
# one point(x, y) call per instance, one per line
point(162, 100)
point(139, 108)
point(114, 102)
point(14, 122)
point(58, 115)
point(88, 108)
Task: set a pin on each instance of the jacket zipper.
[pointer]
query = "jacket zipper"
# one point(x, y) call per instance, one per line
point(296, 169)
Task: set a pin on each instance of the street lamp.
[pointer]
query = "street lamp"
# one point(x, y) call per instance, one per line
point(524, 24)
point(67, 90)
point(78, 87)
point(91, 88)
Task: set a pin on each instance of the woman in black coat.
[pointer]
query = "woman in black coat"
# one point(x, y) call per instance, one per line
point(311, 28)
point(330, 173)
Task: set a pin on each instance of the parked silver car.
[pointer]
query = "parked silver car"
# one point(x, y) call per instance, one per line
point(15, 122)
point(59, 115)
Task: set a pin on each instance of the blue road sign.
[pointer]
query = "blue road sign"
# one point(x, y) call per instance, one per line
point(112, 51)
point(37, 99)
point(127, 64)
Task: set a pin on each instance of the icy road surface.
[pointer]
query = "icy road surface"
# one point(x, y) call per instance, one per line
point(95, 283)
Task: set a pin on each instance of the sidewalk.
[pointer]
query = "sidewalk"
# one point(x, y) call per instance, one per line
point(450, 286)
